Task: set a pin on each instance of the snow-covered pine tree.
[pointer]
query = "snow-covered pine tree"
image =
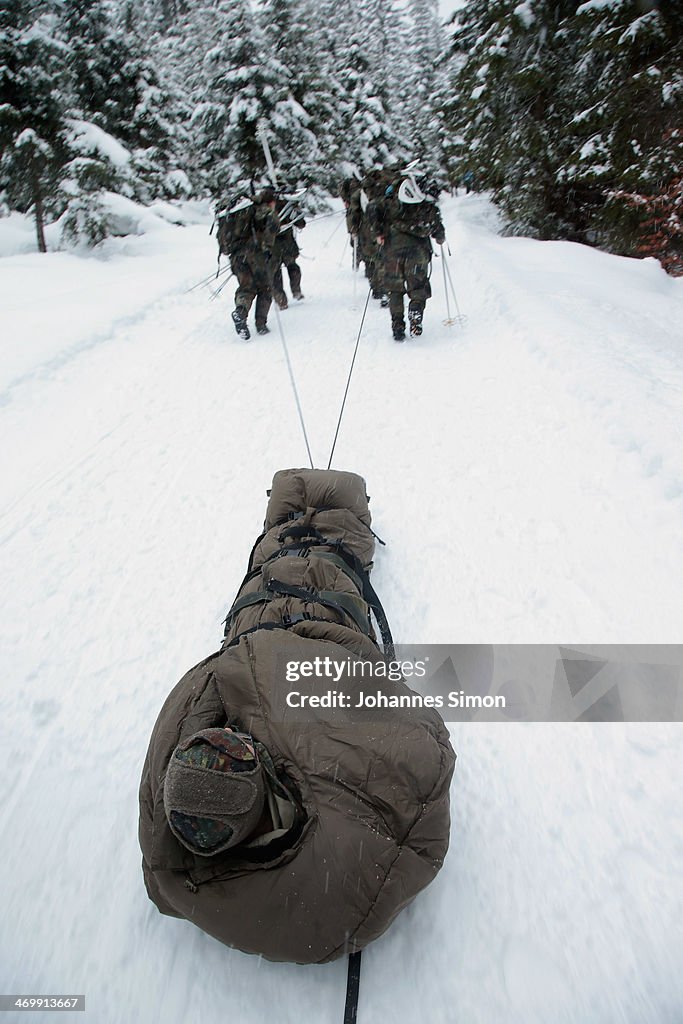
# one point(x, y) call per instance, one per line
point(157, 132)
point(115, 85)
point(289, 36)
point(515, 59)
point(121, 129)
point(33, 146)
point(324, 96)
point(570, 113)
point(627, 123)
point(480, 51)
point(400, 75)
point(246, 89)
point(533, 141)
point(426, 42)
point(363, 134)
point(178, 38)
point(391, 74)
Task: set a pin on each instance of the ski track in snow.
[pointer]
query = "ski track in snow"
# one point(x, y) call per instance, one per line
point(525, 471)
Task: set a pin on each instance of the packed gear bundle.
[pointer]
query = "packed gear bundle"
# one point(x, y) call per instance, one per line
point(296, 836)
point(235, 225)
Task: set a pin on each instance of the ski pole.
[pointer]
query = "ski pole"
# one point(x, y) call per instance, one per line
point(220, 288)
point(461, 318)
point(325, 244)
point(445, 287)
point(355, 267)
point(343, 254)
point(205, 280)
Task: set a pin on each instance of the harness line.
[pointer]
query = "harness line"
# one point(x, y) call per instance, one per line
point(348, 380)
point(293, 383)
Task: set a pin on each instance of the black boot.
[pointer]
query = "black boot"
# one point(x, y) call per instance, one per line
point(262, 329)
point(415, 320)
point(281, 301)
point(399, 329)
point(239, 318)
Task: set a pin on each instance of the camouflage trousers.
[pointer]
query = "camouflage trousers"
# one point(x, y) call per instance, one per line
point(374, 268)
point(406, 272)
point(255, 281)
point(294, 273)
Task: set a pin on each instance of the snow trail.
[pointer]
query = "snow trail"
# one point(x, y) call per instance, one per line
point(526, 474)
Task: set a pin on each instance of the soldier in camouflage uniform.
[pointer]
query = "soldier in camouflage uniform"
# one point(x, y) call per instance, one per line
point(404, 222)
point(354, 213)
point(361, 220)
point(286, 250)
point(374, 186)
point(252, 264)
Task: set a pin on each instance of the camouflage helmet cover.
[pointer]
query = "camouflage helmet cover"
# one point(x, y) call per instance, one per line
point(214, 790)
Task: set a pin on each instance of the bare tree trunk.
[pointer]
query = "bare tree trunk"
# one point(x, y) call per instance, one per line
point(40, 213)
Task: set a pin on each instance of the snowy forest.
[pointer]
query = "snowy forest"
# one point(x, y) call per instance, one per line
point(570, 114)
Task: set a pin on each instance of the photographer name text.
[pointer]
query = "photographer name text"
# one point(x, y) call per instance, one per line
point(341, 699)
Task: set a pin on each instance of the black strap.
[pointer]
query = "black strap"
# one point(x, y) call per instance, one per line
point(289, 620)
point(354, 563)
point(354, 608)
point(352, 988)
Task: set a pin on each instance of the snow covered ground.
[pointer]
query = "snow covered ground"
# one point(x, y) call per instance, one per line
point(526, 472)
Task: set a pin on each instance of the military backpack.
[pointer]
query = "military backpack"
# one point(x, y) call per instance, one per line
point(235, 225)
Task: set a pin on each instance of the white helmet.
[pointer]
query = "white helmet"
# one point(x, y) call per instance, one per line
point(410, 192)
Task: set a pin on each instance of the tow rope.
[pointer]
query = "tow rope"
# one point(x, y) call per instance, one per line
point(348, 380)
point(293, 383)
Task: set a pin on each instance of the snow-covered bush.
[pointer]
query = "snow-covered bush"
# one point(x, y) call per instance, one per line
point(86, 221)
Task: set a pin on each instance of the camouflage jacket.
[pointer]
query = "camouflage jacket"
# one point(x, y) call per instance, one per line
point(260, 241)
point(285, 247)
point(407, 227)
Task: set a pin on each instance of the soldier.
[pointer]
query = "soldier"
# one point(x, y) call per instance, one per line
point(360, 223)
point(404, 222)
point(374, 186)
point(351, 193)
point(286, 250)
point(251, 261)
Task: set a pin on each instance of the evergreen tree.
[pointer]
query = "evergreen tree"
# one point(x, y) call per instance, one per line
point(426, 46)
point(571, 114)
point(363, 134)
point(391, 74)
point(247, 90)
point(627, 118)
point(156, 130)
point(511, 109)
point(120, 133)
point(32, 125)
point(325, 94)
point(290, 42)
